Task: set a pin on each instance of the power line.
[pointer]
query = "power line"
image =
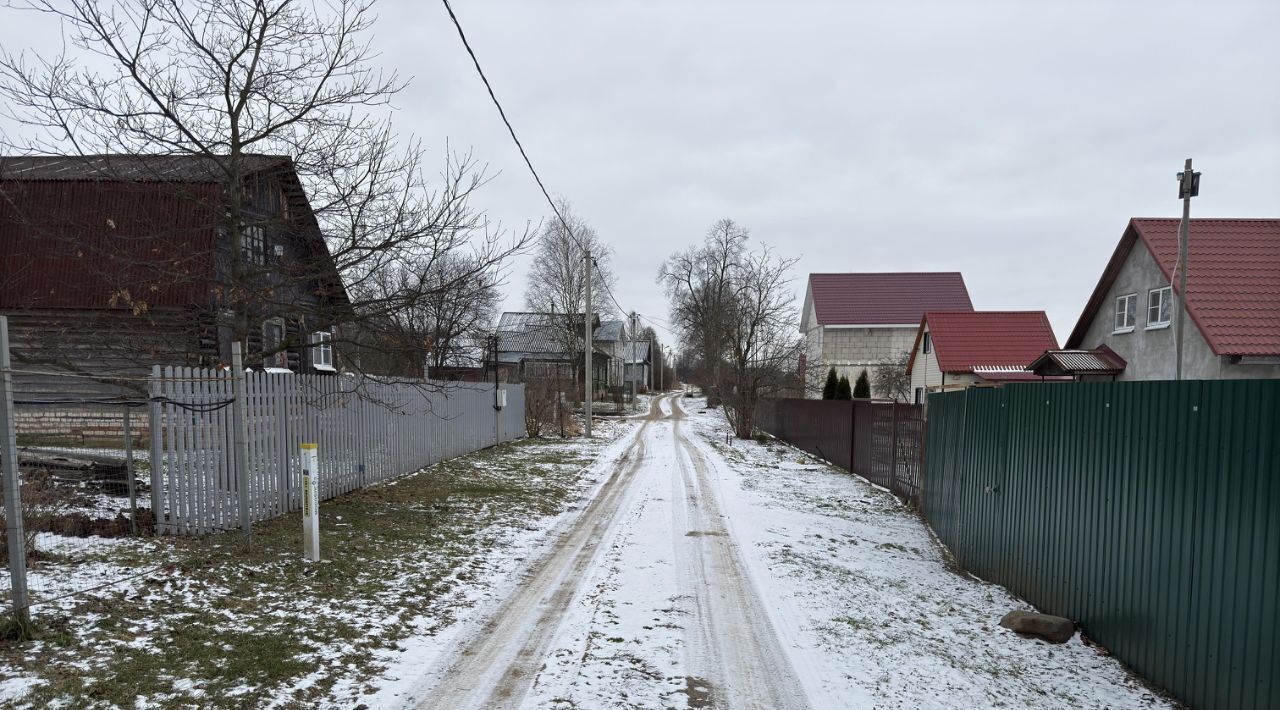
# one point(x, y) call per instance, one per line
point(475, 61)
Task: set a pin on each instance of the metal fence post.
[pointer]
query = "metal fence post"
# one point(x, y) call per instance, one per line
point(157, 449)
point(16, 539)
point(240, 439)
point(893, 451)
point(128, 469)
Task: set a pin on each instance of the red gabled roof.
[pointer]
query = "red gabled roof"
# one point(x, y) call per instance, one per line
point(985, 339)
point(1233, 279)
point(885, 298)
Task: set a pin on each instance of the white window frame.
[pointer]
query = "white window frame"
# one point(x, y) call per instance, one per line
point(322, 351)
point(918, 396)
point(927, 345)
point(1161, 299)
point(1130, 301)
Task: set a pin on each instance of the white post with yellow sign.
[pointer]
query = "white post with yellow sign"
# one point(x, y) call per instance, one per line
point(310, 502)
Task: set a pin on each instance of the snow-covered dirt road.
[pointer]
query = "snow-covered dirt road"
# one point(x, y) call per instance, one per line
point(744, 576)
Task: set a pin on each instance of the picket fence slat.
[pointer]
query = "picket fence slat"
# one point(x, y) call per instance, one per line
point(367, 432)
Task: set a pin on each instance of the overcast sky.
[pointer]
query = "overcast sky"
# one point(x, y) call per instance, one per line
point(1010, 141)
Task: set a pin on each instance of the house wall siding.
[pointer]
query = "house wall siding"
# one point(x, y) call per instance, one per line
point(1150, 354)
point(852, 350)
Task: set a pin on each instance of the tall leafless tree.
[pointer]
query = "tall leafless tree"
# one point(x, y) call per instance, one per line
point(557, 277)
point(736, 308)
point(228, 80)
point(699, 284)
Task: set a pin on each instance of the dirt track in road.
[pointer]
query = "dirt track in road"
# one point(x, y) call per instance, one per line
point(729, 655)
point(733, 645)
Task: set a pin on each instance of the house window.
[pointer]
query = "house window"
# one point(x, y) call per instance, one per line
point(1159, 306)
point(322, 350)
point(1126, 312)
point(919, 395)
point(927, 345)
point(252, 244)
point(273, 352)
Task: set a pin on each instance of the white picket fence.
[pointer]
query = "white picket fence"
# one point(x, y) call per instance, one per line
point(367, 432)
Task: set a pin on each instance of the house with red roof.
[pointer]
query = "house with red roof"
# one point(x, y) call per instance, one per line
point(956, 349)
point(1232, 327)
point(857, 322)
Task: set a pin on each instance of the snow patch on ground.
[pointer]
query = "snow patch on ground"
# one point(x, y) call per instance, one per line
point(866, 606)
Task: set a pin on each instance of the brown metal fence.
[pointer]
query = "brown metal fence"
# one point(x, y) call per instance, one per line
point(881, 441)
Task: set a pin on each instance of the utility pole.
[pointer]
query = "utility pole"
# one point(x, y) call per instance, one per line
point(497, 404)
point(649, 373)
point(586, 376)
point(662, 365)
point(12, 490)
point(632, 355)
point(1188, 187)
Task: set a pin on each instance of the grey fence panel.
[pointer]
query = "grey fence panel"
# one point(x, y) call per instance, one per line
point(367, 432)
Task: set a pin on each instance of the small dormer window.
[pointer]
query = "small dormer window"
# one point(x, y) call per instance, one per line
point(926, 347)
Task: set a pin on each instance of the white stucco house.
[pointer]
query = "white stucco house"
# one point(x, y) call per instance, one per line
point(1232, 329)
point(854, 322)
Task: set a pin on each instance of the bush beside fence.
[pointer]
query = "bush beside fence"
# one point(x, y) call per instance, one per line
point(1149, 512)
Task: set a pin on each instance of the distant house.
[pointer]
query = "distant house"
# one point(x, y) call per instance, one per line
point(534, 346)
point(961, 348)
point(608, 337)
point(111, 264)
point(1233, 304)
point(854, 322)
point(639, 366)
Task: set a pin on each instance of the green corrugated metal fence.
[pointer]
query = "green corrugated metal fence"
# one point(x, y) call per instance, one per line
point(1149, 512)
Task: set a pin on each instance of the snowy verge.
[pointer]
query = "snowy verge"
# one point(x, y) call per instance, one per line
point(867, 608)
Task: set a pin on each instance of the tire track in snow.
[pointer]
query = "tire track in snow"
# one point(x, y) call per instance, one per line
point(734, 658)
point(499, 662)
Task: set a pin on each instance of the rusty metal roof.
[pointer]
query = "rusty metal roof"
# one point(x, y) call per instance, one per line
point(131, 168)
point(116, 231)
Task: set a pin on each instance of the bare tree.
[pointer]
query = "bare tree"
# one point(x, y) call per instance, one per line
point(230, 81)
point(891, 379)
point(699, 284)
point(763, 347)
point(736, 308)
point(445, 325)
point(557, 277)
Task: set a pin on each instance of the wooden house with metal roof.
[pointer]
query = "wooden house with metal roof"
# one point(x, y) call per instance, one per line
point(113, 263)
